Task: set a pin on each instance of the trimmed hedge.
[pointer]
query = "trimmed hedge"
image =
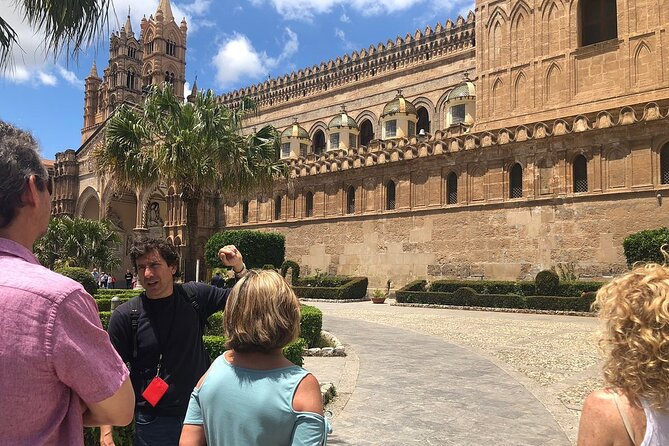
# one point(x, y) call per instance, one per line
point(258, 248)
point(355, 288)
point(105, 304)
point(467, 297)
point(546, 283)
point(311, 324)
point(106, 293)
point(215, 346)
point(521, 288)
point(416, 285)
point(323, 281)
point(294, 270)
point(81, 275)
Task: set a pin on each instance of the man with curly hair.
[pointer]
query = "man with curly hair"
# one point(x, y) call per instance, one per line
point(634, 408)
point(58, 369)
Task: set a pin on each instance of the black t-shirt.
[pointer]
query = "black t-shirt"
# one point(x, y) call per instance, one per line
point(170, 326)
point(128, 277)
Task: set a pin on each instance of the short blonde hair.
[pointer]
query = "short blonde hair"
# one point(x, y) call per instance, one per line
point(262, 313)
point(634, 309)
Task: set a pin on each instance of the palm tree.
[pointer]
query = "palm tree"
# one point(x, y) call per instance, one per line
point(196, 146)
point(78, 242)
point(66, 24)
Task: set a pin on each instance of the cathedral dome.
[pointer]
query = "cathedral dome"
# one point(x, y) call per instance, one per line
point(342, 120)
point(399, 105)
point(465, 90)
point(295, 131)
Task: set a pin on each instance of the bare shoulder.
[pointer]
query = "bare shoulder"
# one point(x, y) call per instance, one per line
point(308, 396)
point(601, 424)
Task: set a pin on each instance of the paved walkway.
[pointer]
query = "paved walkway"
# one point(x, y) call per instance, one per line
point(444, 377)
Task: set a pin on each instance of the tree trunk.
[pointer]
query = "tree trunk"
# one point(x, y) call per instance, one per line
point(190, 238)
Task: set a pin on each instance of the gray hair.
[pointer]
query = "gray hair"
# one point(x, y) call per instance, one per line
point(19, 160)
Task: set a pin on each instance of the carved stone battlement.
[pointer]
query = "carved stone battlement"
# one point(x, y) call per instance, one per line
point(359, 66)
point(381, 152)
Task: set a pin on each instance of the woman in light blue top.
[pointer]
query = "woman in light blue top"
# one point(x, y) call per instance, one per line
point(252, 395)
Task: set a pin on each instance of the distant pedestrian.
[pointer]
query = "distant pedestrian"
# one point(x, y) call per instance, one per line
point(217, 280)
point(128, 279)
point(111, 281)
point(103, 280)
point(96, 276)
point(634, 407)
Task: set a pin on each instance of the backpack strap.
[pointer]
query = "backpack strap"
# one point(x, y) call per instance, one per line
point(134, 304)
point(188, 291)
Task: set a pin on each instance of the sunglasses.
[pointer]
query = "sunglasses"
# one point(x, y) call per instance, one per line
point(41, 182)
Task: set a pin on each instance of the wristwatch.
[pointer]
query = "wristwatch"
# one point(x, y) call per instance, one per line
point(240, 274)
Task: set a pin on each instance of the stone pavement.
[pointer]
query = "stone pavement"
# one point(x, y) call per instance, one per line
point(449, 377)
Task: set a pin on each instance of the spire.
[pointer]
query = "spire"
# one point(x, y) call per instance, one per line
point(94, 71)
point(128, 25)
point(166, 9)
point(194, 89)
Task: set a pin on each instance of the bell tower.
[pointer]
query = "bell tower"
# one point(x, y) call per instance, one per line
point(164, 49)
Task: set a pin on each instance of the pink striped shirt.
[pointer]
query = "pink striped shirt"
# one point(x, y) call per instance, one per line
point(54, 353)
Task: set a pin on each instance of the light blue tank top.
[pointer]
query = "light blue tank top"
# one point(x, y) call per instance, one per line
point(239, 406)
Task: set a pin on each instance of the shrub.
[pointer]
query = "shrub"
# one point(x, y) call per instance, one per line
point(104, 318)
point(105, 304)
point(416, 285)
point(464, 295)
point(258, 248)
point(81, 275)
point(546, 283)
point(644, 246)
point(354, 288)
point(294, 270)
point(215, 346)
point(311, 325)
point(105, 293)
point(323, 281)
point(559, 303)
point(215, 326)
point(269, 266)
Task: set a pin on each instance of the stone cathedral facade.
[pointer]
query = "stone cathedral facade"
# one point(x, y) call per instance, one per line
point(527, 135)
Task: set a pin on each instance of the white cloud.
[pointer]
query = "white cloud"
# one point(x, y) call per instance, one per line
point(341, 35)
point(187, 90)
point(306, 10)
point(18, 74)
point(70, 77)
point(344, 18)
point(47, 78)
point(237, 59)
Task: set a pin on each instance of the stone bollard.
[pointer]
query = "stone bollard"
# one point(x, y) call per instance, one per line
point(115, 302)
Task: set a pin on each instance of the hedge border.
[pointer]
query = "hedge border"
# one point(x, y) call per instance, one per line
point(355, 288)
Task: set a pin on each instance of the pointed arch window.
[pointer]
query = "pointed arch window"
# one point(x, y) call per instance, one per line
point(423, 120)
point(171, 48)
point(598, 21)
point(390, 195)
point(309, 204)
point(319, 142)
point(366, 132)
point(350, 200)
point(664, 164)
point(516, 181)
point(277, 208)
point(245, 211)
point(132, 52)
point(580, 174)
point(130, 80)
point(452, 188)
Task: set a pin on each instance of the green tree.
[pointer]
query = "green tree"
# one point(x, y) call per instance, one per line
point(198, 147)
point(644, 246)
point(78, 242)
point(67, 24)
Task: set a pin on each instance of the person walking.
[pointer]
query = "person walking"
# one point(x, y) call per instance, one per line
point(634, 407)
point(252, 395)
point(159, 333)
point(58, 370)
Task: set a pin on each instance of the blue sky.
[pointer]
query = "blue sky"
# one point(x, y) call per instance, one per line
point(231, 44)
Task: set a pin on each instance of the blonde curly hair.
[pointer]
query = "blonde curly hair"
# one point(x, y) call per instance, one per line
point(634, 309)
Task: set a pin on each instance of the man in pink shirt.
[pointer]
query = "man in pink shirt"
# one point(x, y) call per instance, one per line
point(58, 369)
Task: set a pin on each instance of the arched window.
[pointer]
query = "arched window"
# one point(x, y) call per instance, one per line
point(598, 21)
point(664, 164)
point(350, 200)
point(130, 80)
point(245, 211)
point(452, 188)
point(277, 208)
point(580, 174)
point(309, 204)
point(366, 132)
point(131, 52)
point(423, 120)
point(390, 195)
point(516, 182)
point(171, 48)
point(319, 142)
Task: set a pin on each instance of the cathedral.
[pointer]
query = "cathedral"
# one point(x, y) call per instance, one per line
point(529, 135)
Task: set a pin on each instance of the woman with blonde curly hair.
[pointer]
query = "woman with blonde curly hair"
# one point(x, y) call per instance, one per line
point(252, 395)
point(634, 408)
